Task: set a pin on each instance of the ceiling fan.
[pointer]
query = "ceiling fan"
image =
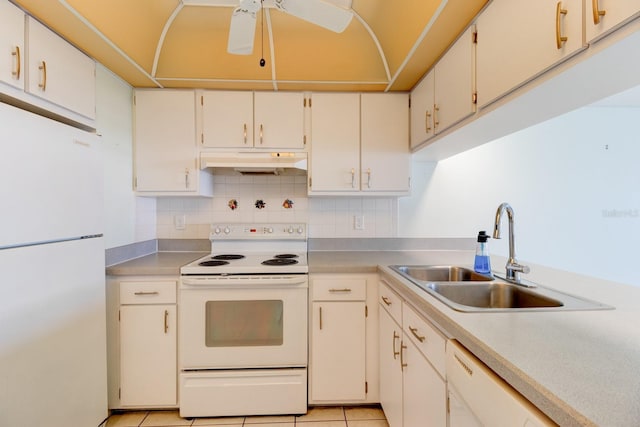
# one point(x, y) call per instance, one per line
point(334, 15)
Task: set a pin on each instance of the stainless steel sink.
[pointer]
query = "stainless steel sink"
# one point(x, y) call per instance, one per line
point(465, 290)
point(493, 295)
point(440, 273)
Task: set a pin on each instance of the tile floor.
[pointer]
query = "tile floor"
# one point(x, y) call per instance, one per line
point(331, 416)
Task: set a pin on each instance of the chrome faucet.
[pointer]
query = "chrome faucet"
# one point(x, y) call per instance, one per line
point(513, 268)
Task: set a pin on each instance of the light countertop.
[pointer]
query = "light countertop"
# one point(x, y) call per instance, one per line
point(579, 367)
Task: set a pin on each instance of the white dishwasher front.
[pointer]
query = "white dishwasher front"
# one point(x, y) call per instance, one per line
point(491, 401)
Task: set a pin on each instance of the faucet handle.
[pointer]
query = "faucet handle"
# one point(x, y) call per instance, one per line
point(518, 268)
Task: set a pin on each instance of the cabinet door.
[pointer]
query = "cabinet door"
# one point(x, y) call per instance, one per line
point(227, 119)
point(279, 120)
point(11, 45)
point(60, 73)
point(455, 83)
point(390, 335)
point(422, 100)
point(517, 41)
point(385, 158)
point(603, 16)
point(335, 142)
point(148, 366)
point(424, 392)
point(338, 351)
point(165, 140)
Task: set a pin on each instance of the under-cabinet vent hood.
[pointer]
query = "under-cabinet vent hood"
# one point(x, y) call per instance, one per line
point(255, 163)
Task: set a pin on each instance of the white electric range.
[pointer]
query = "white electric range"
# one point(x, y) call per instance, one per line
point(243, 323)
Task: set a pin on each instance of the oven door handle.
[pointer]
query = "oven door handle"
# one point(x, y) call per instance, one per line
point(224, 281)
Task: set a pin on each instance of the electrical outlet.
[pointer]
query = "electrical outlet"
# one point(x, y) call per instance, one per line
point(358, 222)
point(179, 222)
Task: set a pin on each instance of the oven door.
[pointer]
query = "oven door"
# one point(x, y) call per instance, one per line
point(243, 322)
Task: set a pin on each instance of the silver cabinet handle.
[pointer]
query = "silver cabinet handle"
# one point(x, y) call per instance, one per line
point(333, 290)
point(147, 293)
point(186, 178)
point(368, 177)
point(16, 70)
point(414, 331)
point(353, 178)
point(166, 321)
point(43, 82)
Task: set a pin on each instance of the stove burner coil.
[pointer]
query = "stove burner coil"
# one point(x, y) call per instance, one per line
point(228, 257)
point(286, 256)
point(280, 261)
point(213, 263)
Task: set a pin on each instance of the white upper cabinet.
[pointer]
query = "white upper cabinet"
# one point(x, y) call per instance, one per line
point(386, 163)
point(272, 120)
point(603, 16)
point(455, 83)
point(335, 147)
point(227, 119)
point(446, 95)
point(422, 102)
point(518, 40)
point(279, 120)
point(11, 45)
point(58, 72)
point(360, 144)
point(165, 143)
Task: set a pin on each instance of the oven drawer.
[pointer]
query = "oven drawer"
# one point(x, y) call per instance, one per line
point(243, 392)
point(148, 292)
point(339, 289)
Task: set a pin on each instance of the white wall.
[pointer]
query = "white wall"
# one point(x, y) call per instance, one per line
point(573, 182)
point(128, 219)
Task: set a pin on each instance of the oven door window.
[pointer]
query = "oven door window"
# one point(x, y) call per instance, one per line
point(245, 323)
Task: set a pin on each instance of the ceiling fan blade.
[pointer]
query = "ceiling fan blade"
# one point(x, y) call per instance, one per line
point(243, 29)
point(319, 12)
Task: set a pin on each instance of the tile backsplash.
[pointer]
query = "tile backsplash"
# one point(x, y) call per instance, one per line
point(240, 198)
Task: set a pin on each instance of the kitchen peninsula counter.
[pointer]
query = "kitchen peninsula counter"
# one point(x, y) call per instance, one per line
point(579, 367)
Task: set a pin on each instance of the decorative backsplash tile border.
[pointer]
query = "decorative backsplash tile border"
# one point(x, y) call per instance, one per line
point(275, 199)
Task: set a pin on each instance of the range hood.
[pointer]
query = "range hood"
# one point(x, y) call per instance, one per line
point(255, 163)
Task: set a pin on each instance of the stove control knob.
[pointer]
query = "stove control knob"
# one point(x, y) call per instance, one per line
point(269, 230)
point(227, 230)
point(217, 230)
point(300, 230)
point(290, 230)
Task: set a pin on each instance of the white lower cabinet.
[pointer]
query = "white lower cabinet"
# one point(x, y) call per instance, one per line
point(390, 369)
point(412, 385)
point(483, 398)
point(142, 342)
point(342, 334)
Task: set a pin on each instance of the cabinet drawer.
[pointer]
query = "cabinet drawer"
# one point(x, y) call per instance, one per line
point(428, 340)
point(390, 301)
point(492, 401)
point(156, 292)
point(337, 289)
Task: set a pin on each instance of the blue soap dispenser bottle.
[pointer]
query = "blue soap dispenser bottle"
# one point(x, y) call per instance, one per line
point(482, 262)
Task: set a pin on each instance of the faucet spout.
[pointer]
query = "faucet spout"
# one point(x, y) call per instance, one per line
point(513, 268)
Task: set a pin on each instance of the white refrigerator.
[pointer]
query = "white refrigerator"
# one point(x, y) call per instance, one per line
point(52, 294)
